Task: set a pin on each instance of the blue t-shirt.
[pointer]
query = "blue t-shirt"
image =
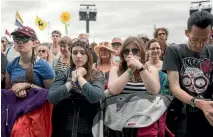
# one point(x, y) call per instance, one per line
point(42, 71)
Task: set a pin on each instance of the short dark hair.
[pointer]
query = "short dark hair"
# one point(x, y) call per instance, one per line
point(201, 19)
point(56, 32)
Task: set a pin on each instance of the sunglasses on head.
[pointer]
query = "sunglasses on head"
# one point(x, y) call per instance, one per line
point(135, 51)
point(85, 41)
point(43, 51)
point(18, 39)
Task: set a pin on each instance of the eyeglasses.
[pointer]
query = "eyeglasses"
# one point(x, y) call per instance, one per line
point(19, 39)
point(43, 51)
point(135, 51)
point(2, 41)
point(203, 42)
point(157, 48)
point(159, 34)
point(116, 45)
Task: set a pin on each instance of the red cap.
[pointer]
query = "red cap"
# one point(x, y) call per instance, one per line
point(25, 31)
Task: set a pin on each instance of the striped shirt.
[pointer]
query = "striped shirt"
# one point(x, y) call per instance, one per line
point(61, 66)
point(135, 86)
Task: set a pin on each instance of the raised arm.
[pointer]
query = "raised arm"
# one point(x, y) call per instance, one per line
point(117, 83)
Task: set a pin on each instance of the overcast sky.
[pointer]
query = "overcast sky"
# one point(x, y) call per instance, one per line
point(114, 18)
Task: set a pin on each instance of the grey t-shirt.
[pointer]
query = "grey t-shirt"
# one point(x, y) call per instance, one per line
point(195, 69)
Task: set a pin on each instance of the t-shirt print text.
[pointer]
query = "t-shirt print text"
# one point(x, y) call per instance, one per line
point(196, 74)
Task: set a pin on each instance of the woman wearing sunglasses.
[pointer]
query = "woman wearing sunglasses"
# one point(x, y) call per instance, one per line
point(45, 53)
point(76, 93)
point(132, 77)
point(63, 61)
point(105, 59)
point(28, 70)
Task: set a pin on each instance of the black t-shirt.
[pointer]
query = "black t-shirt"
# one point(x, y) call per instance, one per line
point(195, 69)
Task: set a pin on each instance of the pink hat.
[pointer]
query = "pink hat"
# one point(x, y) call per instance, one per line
point(117, 40)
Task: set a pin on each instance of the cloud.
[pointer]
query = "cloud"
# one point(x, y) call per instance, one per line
point(114, 19)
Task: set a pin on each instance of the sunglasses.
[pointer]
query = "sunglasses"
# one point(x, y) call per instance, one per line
point(116, 45)
point(43, 51)
point(159, 34)
point(135, 51)
point(2, 41)
point(19, 39)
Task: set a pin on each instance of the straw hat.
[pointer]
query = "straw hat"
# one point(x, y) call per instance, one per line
point(105, 45)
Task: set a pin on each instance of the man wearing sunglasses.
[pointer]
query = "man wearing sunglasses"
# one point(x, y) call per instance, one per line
point(116, 45)
point(55, 47)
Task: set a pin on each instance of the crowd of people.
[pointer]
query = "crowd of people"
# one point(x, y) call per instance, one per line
point(137, 87)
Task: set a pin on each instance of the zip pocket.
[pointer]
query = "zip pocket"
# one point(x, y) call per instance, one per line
point(7, 112)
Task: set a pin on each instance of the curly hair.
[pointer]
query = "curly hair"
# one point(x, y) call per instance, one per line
point(162, 28)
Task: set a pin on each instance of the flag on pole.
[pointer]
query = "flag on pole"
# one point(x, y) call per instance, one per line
point(19, 17)
point(7, 33)
point(40, 23)
point(18, 23)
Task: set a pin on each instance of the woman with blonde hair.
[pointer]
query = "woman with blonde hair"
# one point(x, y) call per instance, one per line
point(105, 59)
point(45, 53)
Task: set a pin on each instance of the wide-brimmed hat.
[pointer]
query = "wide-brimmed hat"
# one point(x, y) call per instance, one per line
point(25, 31)
point(105, 45)
point(117, 40)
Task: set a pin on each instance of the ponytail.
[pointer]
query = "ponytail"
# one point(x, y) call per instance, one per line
point(29, 73)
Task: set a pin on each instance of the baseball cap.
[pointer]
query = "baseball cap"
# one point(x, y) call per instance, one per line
point(25, 31)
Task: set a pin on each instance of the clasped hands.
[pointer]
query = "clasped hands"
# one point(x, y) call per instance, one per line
point(79, 72)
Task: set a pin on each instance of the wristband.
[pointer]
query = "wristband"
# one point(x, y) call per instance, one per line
point(129, 71)
point(141, 69)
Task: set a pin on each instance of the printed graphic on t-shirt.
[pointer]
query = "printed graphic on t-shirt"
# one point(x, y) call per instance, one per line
point(196, 74)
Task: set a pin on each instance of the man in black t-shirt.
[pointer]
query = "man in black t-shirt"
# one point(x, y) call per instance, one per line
point(190, 73)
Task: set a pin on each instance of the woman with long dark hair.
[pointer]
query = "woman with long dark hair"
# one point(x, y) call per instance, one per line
point(76, 93)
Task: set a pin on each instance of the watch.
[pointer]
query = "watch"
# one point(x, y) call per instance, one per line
point(141, 69)
point(192, 102)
